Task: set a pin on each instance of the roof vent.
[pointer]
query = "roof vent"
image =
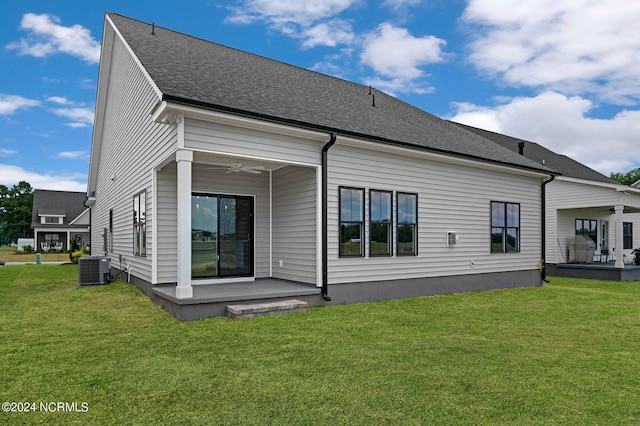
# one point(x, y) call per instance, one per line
point(153, 28)
point(521, 148)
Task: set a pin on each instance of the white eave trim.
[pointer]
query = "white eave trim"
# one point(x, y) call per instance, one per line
point(617, 187)
point(79, 216)
point(169, 111)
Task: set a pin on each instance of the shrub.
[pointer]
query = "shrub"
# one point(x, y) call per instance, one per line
point(76, 255)
point(27, 249)
point(74, 246)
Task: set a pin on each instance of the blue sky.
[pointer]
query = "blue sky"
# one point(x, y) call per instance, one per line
point(561, 73)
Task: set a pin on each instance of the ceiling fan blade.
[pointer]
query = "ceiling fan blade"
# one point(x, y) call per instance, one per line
point(251, 170)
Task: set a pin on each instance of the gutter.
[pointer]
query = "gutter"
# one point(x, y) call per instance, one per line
point(543, 269)
point(325, 218)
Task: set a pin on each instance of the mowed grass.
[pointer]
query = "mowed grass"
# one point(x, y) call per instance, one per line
point(11, 254)
point(565, 353)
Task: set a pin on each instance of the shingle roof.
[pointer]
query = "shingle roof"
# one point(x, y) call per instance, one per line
point(560, 163)
point(69, 204)
point(198, 72)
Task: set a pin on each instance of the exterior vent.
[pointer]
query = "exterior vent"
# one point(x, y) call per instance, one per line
point(452, 239)
point(93, 270)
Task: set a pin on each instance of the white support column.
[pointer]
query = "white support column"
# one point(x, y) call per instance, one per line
point(184, 158)
point(319, 210)
point(619, 237)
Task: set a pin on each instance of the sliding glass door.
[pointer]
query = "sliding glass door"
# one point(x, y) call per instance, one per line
point(221, 236)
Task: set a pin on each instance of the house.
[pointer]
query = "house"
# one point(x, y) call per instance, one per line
point(58, 217)
point(582, 201)
point(220, 176)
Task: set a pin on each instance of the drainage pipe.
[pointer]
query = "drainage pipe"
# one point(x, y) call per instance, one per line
point(543, 272)
point(325, 219)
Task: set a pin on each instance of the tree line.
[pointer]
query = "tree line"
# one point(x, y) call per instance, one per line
point(629, 178)
point(16, 205)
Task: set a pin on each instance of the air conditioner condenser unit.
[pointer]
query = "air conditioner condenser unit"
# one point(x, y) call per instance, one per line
point(94, 270)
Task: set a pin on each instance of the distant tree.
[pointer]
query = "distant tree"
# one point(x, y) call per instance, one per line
point(16, 205)
point(629, 178)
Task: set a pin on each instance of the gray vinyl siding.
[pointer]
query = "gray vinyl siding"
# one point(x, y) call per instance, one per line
point(167, 216)
point(294, 224)
point(450, 198)
point(131, 145)
point(213, 181)
point(220, 138)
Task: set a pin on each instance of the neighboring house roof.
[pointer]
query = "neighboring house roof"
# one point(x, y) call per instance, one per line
point(536, 152)
point(195, 72)
point(57, 203)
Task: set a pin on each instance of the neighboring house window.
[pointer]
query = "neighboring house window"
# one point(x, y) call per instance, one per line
point(627, 235)
point(139, 224)
point(587, 227)
point(407, 217)
point(380, 222)
point(52, 220)
point(51, 239)
point(351, 221)
point(505, 227)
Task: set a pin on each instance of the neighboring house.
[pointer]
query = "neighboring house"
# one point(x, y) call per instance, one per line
point(59, 217)
point(581, 201)
point(217, 175)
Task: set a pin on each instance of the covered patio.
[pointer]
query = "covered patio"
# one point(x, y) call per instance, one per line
point(212, 299)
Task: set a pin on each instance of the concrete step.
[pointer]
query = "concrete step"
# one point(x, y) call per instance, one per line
point(266, 309)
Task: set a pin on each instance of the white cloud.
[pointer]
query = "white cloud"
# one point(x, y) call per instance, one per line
point(398, 56)
point(560, 123)
point(11, 175)
point(575, 47)
point(60, 100)
point(311, 21)
point(47, 36)
point(73, 154)
point(4, 152)
point(280, 12)
point(395, 53)
point(329, 33)
point(11, 103)
point(81, 117)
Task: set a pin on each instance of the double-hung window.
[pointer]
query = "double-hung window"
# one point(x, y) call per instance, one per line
point(587, 227)
point(505, 227)
point(351, 221)
point(140, 224)
point(407, 218)
point(380, 222)
point(627, 235)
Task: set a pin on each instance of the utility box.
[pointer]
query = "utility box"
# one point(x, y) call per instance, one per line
point(93, 270)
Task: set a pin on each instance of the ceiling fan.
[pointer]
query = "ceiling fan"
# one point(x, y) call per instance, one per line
point(238, 167)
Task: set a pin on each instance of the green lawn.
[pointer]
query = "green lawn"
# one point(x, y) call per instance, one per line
point(566, 353)
point(10, 254)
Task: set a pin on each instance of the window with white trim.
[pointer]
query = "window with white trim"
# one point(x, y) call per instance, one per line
point(351, 221)
point(139, 224)
point(380, 223)
point(505, 227)
point(627, 235)
point(407, 220)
